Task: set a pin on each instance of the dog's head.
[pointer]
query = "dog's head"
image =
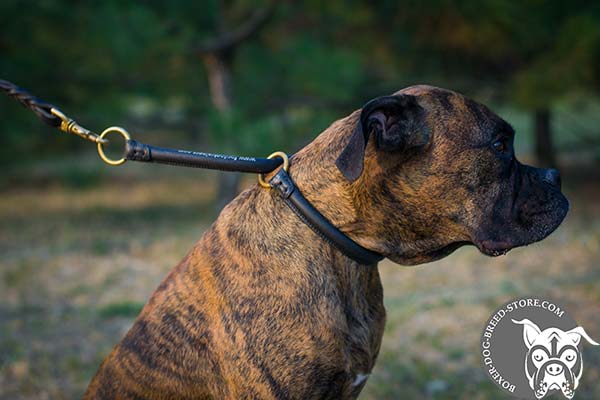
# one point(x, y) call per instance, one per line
point(553, 361)
point(431, 170)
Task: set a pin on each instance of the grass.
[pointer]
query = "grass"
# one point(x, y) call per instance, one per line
point(79, 260)
point(129, 309)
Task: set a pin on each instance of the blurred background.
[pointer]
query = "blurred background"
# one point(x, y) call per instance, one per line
point(83, 245)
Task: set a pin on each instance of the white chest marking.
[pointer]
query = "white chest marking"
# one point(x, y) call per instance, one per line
point(360, 378)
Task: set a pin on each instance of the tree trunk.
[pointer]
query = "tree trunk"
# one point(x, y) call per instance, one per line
point(544, 146)
point(219, 82)
point(217, 55)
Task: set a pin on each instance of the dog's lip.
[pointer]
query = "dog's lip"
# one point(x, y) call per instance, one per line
point(447, 249)
point(494, 248)
point(432, 255)
point(554, 386)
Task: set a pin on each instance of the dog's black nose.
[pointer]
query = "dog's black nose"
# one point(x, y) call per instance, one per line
point(552, 176)
point(554, 369)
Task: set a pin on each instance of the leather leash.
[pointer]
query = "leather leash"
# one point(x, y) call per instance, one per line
point(137, 151)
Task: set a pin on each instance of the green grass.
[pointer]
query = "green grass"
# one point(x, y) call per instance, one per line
point(121, 309)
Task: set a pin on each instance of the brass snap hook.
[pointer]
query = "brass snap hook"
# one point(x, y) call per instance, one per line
point(103, 156)
point(69, 125)
point(286, 166)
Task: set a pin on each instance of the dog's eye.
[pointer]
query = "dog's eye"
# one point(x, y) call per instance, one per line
point(538, 355)
point(500, 145)
point(569, 355)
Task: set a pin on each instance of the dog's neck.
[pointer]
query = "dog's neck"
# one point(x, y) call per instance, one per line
point(362, 208)
point(277, 234)
point(260, 259)
point(315, 173)
point(276, 254)
point(275, 258)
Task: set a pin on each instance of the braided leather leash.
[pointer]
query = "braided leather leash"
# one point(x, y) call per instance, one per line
point(40, 108)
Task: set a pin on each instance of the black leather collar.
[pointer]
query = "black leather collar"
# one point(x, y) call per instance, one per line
point(291, 195)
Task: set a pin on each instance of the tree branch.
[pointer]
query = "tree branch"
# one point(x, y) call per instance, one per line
point(232, 39)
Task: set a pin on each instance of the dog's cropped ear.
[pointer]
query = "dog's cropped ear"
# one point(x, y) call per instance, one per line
point(397, 123)
point(576, 334)
point(530, 331)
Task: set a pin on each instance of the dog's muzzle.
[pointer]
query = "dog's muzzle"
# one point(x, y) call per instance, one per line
point(554, 374)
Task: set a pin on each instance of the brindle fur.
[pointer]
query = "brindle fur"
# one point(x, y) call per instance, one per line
point(262, 307)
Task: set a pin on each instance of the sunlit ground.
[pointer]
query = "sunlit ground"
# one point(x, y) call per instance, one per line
point(81, 254)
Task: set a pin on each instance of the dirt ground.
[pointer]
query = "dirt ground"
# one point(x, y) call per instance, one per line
point(81, 255)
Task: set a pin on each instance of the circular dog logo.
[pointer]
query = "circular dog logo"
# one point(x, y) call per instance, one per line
point(531, 348)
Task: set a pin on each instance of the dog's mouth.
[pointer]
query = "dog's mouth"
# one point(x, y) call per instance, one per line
point(447, 250)
point(494, 248)
point(554, 386)
point(488, 247)
point(429, 256)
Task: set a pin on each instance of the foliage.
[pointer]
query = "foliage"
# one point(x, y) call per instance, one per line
point(312, 60)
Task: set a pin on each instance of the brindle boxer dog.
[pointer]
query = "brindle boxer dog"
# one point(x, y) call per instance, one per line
point(262, 307)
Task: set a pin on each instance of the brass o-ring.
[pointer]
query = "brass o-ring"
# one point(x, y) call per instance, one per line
point(286, 165)
point(103, 156)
